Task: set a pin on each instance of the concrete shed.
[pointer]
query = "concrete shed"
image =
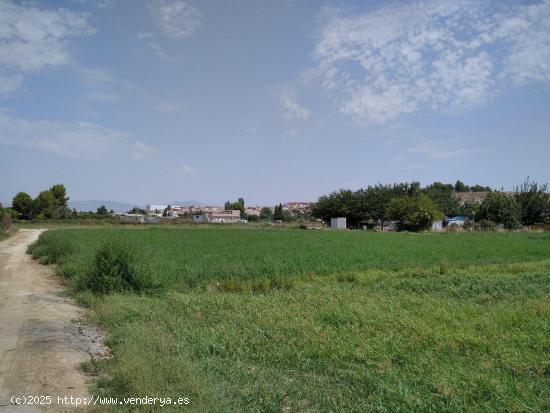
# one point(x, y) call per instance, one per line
point(338, 223)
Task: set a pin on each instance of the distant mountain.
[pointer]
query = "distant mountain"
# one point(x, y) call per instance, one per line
point(93, 205)
point(187, 203)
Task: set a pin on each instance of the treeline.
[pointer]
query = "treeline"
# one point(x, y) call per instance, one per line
point(50, 204)
point(415, 208)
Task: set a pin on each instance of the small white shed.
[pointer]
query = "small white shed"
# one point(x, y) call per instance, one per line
point(338, 223)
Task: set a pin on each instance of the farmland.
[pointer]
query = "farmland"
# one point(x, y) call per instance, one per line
point(292, 320)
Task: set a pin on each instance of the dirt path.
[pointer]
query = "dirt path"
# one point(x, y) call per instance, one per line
point(41, 341)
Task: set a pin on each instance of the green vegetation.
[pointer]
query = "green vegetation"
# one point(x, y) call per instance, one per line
point(51, 205)
point(534, 202)
point(293, 320)
point(5, 222)
point(184, 257)
point(407, 204)
point(501, 208)
point(414, 213)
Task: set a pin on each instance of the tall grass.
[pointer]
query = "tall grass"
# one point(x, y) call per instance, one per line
point(180, 258)
point(299, 321)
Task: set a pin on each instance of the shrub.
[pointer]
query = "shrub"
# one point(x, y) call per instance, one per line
point(469, 225)
point(116, 268)
point(487, 225)
point(5, 220)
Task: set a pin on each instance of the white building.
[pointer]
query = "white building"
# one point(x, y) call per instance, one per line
point(338, 223)
point(223, 217)
point(155, 209)
point(256, 211)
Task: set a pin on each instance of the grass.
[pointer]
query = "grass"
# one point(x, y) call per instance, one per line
point(307, 321)
point(180, 258)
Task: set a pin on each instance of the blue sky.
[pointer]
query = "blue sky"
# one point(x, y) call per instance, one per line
point(165, 100)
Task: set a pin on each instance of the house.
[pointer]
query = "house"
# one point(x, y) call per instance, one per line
point(155, 209)
point(253, 211)
point(222, 217)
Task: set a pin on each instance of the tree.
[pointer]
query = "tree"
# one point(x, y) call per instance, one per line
point(136, 210)
point(534, 201)
point(253, 218)
point(60, 194)
point(413, 213)
point(362, 205)
point(461, 187)
point(239, 205)
point(266, 213)
point(480, 188)
point(500, 208)
point(45, 205)
point(102, 211)
point(278, 214)
point(166, 211)
point(442, 195)
point(22, 203)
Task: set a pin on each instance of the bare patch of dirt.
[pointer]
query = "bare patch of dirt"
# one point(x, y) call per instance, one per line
point(43, 339)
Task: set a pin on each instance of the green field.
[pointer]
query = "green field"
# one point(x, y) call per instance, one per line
point(294, 320)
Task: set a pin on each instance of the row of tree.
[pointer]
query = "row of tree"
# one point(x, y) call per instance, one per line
point(415, 208)
point(48, 204)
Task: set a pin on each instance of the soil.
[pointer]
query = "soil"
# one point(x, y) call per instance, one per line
point(43, 338)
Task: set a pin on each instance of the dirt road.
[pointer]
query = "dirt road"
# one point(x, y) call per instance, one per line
point(41, 340)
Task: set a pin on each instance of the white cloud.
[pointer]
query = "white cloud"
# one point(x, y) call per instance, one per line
point(100, 4)
point(175, 18)
point(71, 139)
point(289, 105)
point(440, 54)
point(186, 170)
point(141, 151)
point(31, 38)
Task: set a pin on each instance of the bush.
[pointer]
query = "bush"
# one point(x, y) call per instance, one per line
point(487, 225)
point(6, 221)
point(116, 268)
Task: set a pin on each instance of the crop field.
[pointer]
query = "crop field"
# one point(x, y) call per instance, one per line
point(288, 320)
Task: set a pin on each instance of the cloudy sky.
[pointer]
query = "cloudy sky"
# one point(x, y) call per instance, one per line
point(161, 100)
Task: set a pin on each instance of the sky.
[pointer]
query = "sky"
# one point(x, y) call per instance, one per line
point(159, 100)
